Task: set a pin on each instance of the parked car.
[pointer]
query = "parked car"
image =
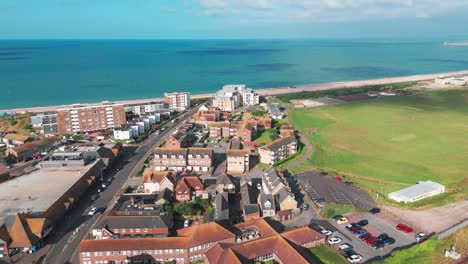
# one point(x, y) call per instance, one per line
point(363, 222)
point(349, 253)
point(377, 245)
point(371, 241)
point(360, 233)
point(374, 210)
point(351, 226)
point(187, 223)
point(355, 258)
point(389, 241)
point(94, 197)
point(342, 220)
point(326, 232)
point(356, 229)
point(345, 247)
point(383, 236)
point(338, 179)
point(319, 200)
point(92, 211)
point(348, 182)
point(421, 237)
point(365, 236)
point(404, 228)
point(336, 217)
point(334, 240)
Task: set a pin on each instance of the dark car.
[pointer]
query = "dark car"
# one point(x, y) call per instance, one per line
point(336, 217)
point(374, 210)
point(378, 244)
point(363, 222)
point(348, 182)
point(351, 226)
point(356, 229)
point(349, 253)
point(365, 237)
point(319, 200)
point(383, 236)
point(389, 241)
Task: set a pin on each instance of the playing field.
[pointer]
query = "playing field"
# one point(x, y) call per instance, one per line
point(398, 140)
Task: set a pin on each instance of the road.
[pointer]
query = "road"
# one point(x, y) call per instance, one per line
point(67, 235)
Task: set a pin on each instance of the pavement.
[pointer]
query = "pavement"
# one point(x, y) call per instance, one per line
point(62, 244)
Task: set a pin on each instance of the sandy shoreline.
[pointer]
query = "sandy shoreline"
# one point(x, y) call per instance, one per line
point(282, 90)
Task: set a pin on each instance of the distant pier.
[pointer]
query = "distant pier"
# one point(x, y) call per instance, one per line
point(463, 43)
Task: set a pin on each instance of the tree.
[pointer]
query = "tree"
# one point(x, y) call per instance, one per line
point(27, 127)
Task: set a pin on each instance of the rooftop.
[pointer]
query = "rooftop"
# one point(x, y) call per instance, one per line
point(32, 192)
point(417, 190)
point(277, 144)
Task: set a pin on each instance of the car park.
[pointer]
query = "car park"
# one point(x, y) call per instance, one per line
point(342, 220)
point(326, 232)
point(334, 240)
point(345, 247)
point(374, 210)
point(363, 222)
point(355, 258)
point(360, 233)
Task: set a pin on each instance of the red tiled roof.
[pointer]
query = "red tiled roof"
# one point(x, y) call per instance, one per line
point(205, 233)
point(134, 244)
point(193, 182)
point(262, 225)
point(302, 235)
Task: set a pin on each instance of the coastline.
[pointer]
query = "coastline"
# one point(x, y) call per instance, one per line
point(279, 90)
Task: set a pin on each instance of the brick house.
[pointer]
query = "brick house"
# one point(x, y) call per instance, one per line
point(179, 140)
point(27, 150)
point(188, 188)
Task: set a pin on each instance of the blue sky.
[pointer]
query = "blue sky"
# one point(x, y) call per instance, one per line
point(155, 19)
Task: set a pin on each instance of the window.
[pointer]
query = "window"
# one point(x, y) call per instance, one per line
point(145, 230)
point(137, 230)
point(123, 230)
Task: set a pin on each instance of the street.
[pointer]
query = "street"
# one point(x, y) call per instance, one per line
point(67, 235)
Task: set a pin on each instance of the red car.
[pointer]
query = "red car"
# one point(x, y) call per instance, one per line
point(365, 237)
point(338, 179)
point(356, 229)
point(404, 228)
point(371, 241)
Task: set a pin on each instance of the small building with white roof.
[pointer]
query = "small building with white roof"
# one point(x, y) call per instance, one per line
point(417, 192)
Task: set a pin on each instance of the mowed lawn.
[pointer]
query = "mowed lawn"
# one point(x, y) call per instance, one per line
point(400, 139)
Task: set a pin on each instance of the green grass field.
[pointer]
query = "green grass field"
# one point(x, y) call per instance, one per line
point(398, 140)
point(267, 136)
point(326, 255)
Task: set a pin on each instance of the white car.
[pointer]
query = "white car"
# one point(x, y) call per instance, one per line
point(355, 258)
point(92, 211)
point(326, 232)
point(187, 223)
point(334, 240)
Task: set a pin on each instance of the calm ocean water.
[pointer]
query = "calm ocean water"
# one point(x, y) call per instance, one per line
point(41, 73)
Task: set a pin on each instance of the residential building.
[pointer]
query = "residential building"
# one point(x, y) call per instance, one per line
point(219, 129)
point(47, 122)
point(224, 183)
point(133, 217)
point(238, 161)
point(147, 108)
point(417, 192)
point(249, 97)
point(179, 140)
point(200, 159)
point(156, 181)
point(221, 206)
point(188, 246)
point(278, 150)
point(267, 204)
point(89, 117)
point(304, 236)
point(244, 130)
point(249, 199)
point(178, 100)
point(286, 130)
point(275, 111)
point(28, 150)
point(229, 98)
point(188, 188)
point(169, 159)
point(125, 132)
point(13, 140)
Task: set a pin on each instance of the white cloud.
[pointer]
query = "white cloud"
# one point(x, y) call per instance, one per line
point(329, 10)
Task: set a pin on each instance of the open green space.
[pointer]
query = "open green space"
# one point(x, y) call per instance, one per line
point(391, 142)
point(326, 255)
point(267, 136)
point(332, 209)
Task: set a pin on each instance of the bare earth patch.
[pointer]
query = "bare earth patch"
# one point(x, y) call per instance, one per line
point(435, 219)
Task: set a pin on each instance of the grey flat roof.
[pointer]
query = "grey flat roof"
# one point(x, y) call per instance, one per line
point(38, 190)
point(417, 190)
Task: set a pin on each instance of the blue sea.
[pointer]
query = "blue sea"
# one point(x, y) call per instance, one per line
point(42, 73)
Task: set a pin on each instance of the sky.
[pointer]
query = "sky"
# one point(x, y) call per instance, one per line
point(219, 19)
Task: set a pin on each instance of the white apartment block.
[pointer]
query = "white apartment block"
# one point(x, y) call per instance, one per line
point(178, 100)
point(233, 95)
